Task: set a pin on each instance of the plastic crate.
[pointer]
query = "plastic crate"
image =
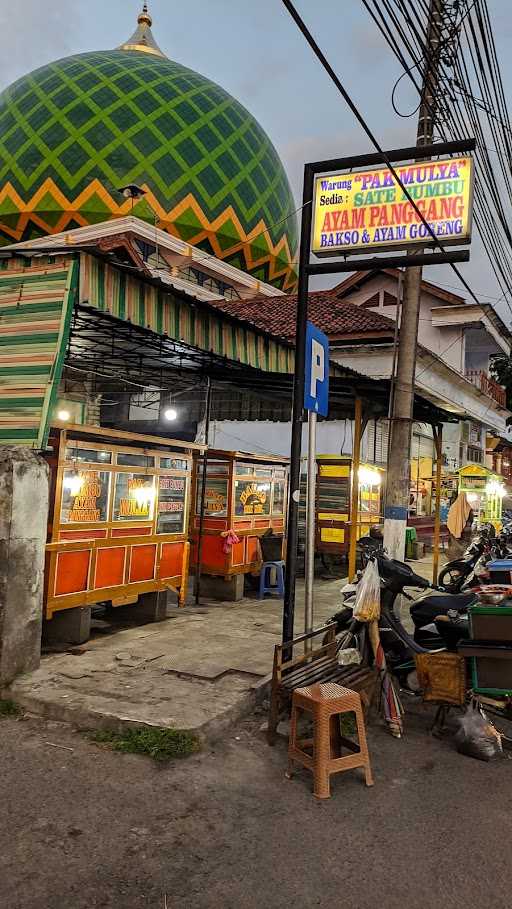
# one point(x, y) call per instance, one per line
point(490, 623)
point(501, 571)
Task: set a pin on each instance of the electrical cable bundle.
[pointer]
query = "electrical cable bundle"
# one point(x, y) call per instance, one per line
point(469, 101)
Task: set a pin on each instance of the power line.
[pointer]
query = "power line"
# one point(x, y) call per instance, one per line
point(383, 14)
point(361, 120)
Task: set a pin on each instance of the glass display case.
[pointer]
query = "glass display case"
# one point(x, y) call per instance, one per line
point(245, 493)
point(119, 511)
point(333, 502)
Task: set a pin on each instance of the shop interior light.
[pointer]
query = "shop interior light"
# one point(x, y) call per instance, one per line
point(64, 415)
point(369, 477)
point(171, 414)
point(144, 495)
point(73, 484)
point(495, 488)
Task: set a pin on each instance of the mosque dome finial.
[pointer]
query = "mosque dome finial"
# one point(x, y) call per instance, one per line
point(142, 39)
point(145, 17)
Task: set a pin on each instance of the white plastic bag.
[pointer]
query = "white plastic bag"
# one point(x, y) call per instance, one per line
point(367, 604)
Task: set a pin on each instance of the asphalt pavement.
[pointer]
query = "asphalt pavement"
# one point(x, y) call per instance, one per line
point(84, 827)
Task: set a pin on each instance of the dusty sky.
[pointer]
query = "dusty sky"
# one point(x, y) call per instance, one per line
point(254, 51)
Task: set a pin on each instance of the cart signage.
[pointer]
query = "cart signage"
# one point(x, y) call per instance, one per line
point(216, 497)
point(85, 502)
point(357, 211)
point(253, 498)
point(84, 496)
point(138, 501)
point(474, 482)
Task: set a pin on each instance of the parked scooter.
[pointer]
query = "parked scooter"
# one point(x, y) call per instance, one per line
point(400, 646)
point(470, 570)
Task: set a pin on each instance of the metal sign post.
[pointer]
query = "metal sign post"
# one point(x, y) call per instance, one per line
point(316, 401)
point(331, 229)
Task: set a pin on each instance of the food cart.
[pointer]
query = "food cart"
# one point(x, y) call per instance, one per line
point(244, 497)
point(485, 491)
point(118, 517)
point(333, 505)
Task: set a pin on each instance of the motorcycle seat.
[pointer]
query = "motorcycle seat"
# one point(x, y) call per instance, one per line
point(443, 601)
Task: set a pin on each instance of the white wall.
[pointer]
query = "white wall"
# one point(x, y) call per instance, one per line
point(451, 443)
point(433, 380)
point(267, 437)
point(446, 342)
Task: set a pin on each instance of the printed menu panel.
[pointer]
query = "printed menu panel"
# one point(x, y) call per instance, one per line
point(171, 505)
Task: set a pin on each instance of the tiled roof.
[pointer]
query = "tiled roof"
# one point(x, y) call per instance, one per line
point(334, 317)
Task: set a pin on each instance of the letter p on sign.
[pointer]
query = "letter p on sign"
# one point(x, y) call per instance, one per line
point(316, 385)
point(317, 366)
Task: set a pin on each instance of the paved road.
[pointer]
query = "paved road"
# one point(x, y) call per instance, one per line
point(86, 828)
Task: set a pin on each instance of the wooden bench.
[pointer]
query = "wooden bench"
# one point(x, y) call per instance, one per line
point(424, 525)
point(318, 664)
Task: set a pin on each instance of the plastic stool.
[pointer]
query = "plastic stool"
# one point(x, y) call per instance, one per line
point(326, 702)
point(265, 585)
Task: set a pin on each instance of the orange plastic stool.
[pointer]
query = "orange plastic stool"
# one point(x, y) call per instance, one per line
point(326, 702)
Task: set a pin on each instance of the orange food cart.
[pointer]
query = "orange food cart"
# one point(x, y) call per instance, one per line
point(118, 518)
point(246, 494)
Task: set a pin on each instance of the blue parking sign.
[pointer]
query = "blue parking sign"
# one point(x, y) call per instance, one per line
point(316, 387)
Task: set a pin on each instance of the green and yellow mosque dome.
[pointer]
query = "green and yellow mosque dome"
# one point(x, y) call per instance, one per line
point(73, 132)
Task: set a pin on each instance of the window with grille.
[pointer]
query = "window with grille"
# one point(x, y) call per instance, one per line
point(377, 441)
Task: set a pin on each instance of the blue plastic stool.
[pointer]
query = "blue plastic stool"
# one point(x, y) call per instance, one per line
point(265, 585)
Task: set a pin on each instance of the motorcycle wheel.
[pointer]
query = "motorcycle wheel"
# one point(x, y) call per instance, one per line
point(451, 579)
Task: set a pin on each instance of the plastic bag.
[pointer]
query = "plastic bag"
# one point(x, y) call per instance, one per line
point(477, 737)
point(349, 657)
point(367, 603)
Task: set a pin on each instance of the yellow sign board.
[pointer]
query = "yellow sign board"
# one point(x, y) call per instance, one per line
point(368, 210)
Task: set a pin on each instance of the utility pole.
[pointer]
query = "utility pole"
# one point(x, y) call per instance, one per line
point(399, 459)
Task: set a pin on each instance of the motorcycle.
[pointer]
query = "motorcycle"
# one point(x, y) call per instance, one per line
point(460, 574)
point(398, 644)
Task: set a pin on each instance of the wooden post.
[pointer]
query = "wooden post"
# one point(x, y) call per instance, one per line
point(207, 416)
point(185, 566)
point(354, 498)
point(438, 440)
